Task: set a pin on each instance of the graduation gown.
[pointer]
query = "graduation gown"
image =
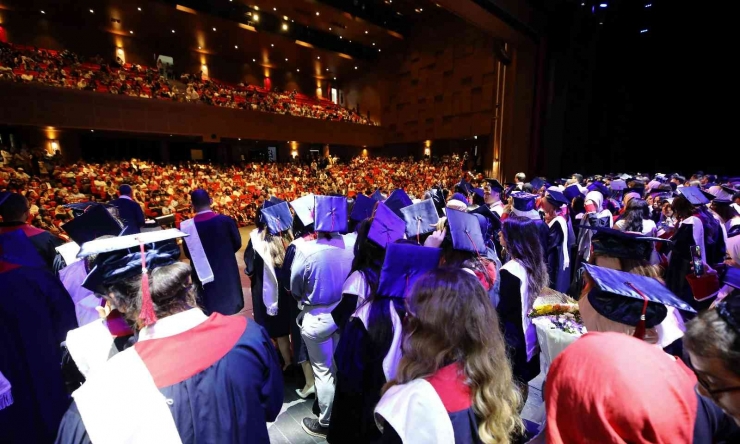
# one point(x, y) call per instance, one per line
point(44, 242)
point(217, 381)
point(433, 410)
point(267, 292)
point(558, 260)
point(363, 367)
point(689, 234)
point(221, 240)
point(35, 314)
point(519, 332)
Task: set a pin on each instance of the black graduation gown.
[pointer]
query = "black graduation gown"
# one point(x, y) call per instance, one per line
point(36, 312)
point(559, 277)
point(679, 263)
point(221, 240)
point(510, 317)
point(210, 402)
point(300, 353)
point(279, 325)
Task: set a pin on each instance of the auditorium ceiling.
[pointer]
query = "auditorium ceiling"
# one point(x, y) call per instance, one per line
point(327, 39)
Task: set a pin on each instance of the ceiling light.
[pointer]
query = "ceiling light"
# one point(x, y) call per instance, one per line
point(200, 47)
point(254, 60)
point(92, 131)
point(317, 12)
point(240, 138)
point(603, 5)
point(318, 58)
point(92, 12)
point(274, 9)
point(272, 45)
point(373, 43)
point(649, 5)
point(365, 32)
point(421, 9)
point(327, 69)
point(173, 31)
point(236, 47)
point(285, 17)
point(43, 12)
point(298, 69)
point(335, 78)
point(643, 31)
point(255, 17)
point(214, 29)
point(256, 8)
point(340, 37)
point(285, 26)
point(286, 60)
point(378, 49)
point(329, 29)
point(139, 9)
point(131, 32)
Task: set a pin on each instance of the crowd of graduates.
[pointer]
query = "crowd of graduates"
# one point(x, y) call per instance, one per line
point(407, 292)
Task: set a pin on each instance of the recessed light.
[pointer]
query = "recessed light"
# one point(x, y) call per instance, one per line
point(272, 45)
point(286, 60)
point(170, 135)
point(355, 67)
point(285, 17)
point(274, 9)
point(318, 58)
point(92, 12)
point(43, 12)
point(240, 138)
point(214, 29)
point(365, 32)
point(173, 31)
point(131, 32)
point(373, 43)
point(92, 131)
point(335, 78)
point(317, 12)
point(254, 60)
point(285, 26)
point(378, 49)
point(327, 69)
point(340, 37)
point(139, 9)
point(200, 47)
point(236, 47)
point(298, 69)
point(329, 29)
point(256, 8)
point(255, 17)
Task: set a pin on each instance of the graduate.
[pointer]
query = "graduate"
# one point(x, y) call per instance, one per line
point(264, 259)
point(190, 377)
point(370, 348)
point(35, 314)
point(492, 195)
point(524, 205)
point(453, 383)
point(326, 260)
point(558, 260)
point(212, 241)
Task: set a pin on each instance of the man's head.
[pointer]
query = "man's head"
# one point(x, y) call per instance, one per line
point(520, 178)
point(578, 178)
point(125, 190)
point(14, 208)
point(201, 200)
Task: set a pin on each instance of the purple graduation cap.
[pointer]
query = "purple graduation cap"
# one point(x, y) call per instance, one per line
point(419, 218)
point(631, 299)
point(694, 195)
point(492, 220)
point(537, 183)
point(331, 214)
point(524, 201)
point(460, 197)
point(377, 195)
point(601, 188)
point(403, 265)
point(277, 217)
point(572, 191)
point(363, 208)
point(17, 250)
point(465, 232)
point(275, 200)
point(304, 208)
point(92, 224)
point(556, 198)
point(397, 200)
point(386, 227)
point(495, 185)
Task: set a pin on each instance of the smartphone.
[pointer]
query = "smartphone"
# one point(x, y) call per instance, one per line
point(696, 261)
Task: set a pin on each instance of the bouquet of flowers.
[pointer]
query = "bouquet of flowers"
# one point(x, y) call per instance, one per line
point(560, 310)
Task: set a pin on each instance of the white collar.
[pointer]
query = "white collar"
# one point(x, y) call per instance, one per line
point(123, 196)
point(203, 212)
point(173, 325)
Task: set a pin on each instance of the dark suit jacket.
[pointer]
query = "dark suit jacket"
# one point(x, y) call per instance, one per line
point(130, 214)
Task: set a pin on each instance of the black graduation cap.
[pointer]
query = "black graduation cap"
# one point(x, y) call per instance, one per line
point(556, 198)
point(277, 217)
point(17, 249)
point(524, 201)
point(465, 232)
point(495, 185)
point(397, 200)
point(94, 223)
point(377, 195)
point(404, 264)
point(120, 257)
point(420, 218)
point(694, 195)
point(304, 208)
point(493, 219)
point(386, 227)
point(630, 298)
point(363, 208)
point(615, 243)
point(331, 214)
point(537, 183)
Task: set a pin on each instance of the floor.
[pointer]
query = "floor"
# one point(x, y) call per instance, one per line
point(287, 428)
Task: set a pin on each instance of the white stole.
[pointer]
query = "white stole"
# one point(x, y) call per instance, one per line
point(125, 380)
point(197, 255)
point(564, 225)
point(90, 345)
point(416, 413)
point(270, 292)
point(530, 332)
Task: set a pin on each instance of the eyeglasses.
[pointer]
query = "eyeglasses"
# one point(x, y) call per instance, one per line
point(712, 392)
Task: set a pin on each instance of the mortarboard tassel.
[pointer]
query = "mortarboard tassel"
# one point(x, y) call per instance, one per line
point(472, 243)
point(147, 305)
point(418, 229)
point(640, 329)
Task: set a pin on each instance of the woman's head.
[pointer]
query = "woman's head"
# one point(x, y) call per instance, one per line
point(431, 342)
point(610, 387)
point(369, 256)
point(682, 208)
point(713, 342)
point(521, 239)
point(170, 287)
point(636, 211)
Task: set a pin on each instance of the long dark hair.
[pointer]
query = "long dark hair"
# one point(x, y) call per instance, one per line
point(682, 208)
point(523, 244)
point(637, 210)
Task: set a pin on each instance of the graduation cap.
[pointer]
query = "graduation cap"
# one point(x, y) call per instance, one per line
point(363, 208)
point(619, 244)
point(488, 220)
point(123, 257)
point(304, 208)
point(439, 200)
point(397, 200)
point(460, 197)
point(404, 264)
point(79, 208)
point(617, 185)
point(556, 198)
point(17, 250)
point(537, 183)
point(572, 191)
point(419, 218)
point(94, 223)
point(631, 299)
point(331, 214)
point(495, 185)
point(661, 189)
point(377, 195)
point(277, 217)
point(694, 195)
point(637, 186)
point(524, 201)
point(274, 200)
point(465, 232)
point(386, 227)
point(601, 188)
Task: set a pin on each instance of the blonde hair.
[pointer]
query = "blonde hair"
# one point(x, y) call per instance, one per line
point(277, 244)
point(475, 343)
